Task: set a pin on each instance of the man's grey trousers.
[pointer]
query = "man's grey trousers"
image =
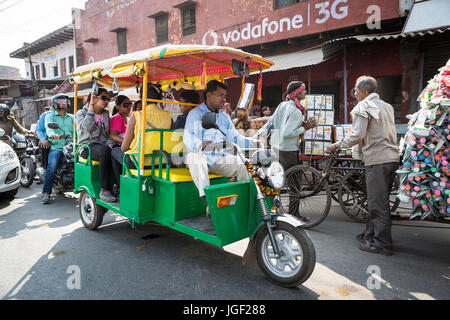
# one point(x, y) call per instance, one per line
point(379, 180)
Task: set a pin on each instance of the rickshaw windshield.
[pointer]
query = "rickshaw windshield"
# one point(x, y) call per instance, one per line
point(177, 66)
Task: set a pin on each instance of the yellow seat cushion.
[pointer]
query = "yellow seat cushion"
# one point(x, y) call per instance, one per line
point(83, 160)
point(175, 174)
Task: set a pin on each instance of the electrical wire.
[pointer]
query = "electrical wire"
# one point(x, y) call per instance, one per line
point(36, 19)
point(10, 5)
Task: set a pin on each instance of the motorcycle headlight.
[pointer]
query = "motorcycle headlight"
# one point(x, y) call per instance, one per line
point(6, 153)
point(275, 175)
point(21, 145)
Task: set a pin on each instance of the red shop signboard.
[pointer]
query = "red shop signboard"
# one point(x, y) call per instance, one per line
point(304, 18)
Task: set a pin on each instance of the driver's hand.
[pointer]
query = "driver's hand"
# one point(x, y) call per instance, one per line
point(54, 136)
point(258, 143)
point(10, 117)
point(45, 144)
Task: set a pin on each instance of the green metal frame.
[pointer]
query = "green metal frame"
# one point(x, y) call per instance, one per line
point(154, 198)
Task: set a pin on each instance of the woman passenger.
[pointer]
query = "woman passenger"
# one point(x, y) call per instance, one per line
point(156, 118)
point(93, 125)
point(117, 133)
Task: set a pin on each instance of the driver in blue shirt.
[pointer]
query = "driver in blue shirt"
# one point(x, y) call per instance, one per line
point(199, 159)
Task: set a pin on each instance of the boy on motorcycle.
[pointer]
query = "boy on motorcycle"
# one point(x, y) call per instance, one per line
point(59, 115)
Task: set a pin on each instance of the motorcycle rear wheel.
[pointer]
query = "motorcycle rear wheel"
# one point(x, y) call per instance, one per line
point(296, 264)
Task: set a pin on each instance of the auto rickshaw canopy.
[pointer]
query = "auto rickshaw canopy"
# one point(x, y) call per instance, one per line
point(182, 66)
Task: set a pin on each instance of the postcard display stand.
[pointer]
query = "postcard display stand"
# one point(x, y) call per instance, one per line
point(424, 174)
point(341, 131)
point(320, 108)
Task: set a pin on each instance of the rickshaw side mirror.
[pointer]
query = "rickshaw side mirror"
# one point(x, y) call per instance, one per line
point(209, 121)
point(53, 125)
point(238, 68)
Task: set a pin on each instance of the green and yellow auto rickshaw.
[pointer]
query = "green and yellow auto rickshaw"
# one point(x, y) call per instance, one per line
point(166, 194)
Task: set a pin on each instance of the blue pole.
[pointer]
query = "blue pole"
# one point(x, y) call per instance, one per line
point(345, 85)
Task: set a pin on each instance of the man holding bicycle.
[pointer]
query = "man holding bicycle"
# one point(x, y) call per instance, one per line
point(374, 141)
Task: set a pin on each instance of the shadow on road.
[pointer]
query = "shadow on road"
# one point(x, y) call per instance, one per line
point(147, 262)
point(25, 212)
point(418, 269)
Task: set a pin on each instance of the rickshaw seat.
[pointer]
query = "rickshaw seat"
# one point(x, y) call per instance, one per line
point(175, 174)
point(83, 160)
point(168, 142)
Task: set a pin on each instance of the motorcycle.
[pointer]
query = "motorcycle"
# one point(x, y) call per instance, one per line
point(64, 175)
point(25, 151)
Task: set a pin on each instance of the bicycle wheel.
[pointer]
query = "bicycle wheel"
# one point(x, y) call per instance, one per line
point(353, 195)
point(306, 195)
point(394, 202)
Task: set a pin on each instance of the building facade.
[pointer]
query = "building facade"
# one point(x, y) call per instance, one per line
point(50, 57)
point(327, 44)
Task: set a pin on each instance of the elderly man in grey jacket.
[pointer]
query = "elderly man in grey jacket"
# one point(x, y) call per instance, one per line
point(374, 141)
point(93, 123)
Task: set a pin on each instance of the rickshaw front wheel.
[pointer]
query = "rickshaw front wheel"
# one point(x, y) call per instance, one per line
point(91, 214)
point(298, 258)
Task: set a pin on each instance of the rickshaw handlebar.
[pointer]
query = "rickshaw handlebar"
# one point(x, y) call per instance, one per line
point(224, 145)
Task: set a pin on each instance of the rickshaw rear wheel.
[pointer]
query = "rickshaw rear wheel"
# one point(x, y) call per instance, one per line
point(91, 214)
point(296, 264)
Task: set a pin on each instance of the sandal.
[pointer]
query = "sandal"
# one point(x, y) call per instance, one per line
point(360, 237)
point(370, 247)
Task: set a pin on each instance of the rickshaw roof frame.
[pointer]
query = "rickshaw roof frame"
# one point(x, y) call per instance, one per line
point(128, 68)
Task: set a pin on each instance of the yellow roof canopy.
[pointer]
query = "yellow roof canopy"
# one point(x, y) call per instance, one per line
point(169, 64)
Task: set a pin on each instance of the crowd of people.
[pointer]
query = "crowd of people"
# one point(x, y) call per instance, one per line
point(109, 137)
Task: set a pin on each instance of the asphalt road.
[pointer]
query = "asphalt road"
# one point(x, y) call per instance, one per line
point(46, 253)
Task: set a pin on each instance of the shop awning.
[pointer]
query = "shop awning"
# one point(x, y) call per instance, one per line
point(428, 15)
point(334, 46)
point(295, 60)
point(49, 41)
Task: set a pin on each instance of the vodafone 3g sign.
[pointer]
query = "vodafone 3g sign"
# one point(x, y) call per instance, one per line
point(322, 13)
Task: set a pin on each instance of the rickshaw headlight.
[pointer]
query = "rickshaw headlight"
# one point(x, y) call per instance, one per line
point(275, 175)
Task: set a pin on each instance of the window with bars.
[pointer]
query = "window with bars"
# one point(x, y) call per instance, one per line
point(122, 41)
point(277, 4)
point(188, 20)
point(44, 72)
point(62, 65)
point(38, 74)
point(71, 64)
point(162, 28)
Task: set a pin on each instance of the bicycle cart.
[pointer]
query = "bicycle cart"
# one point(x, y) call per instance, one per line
point(321, 178)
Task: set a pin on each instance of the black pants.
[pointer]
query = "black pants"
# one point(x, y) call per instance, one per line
point(117, 158)
point(102, 153)
point(117, 163)
point(379, 180)
point(288, 159)
point(44, 156)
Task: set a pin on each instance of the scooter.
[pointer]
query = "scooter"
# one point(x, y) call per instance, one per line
point(24, 149)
